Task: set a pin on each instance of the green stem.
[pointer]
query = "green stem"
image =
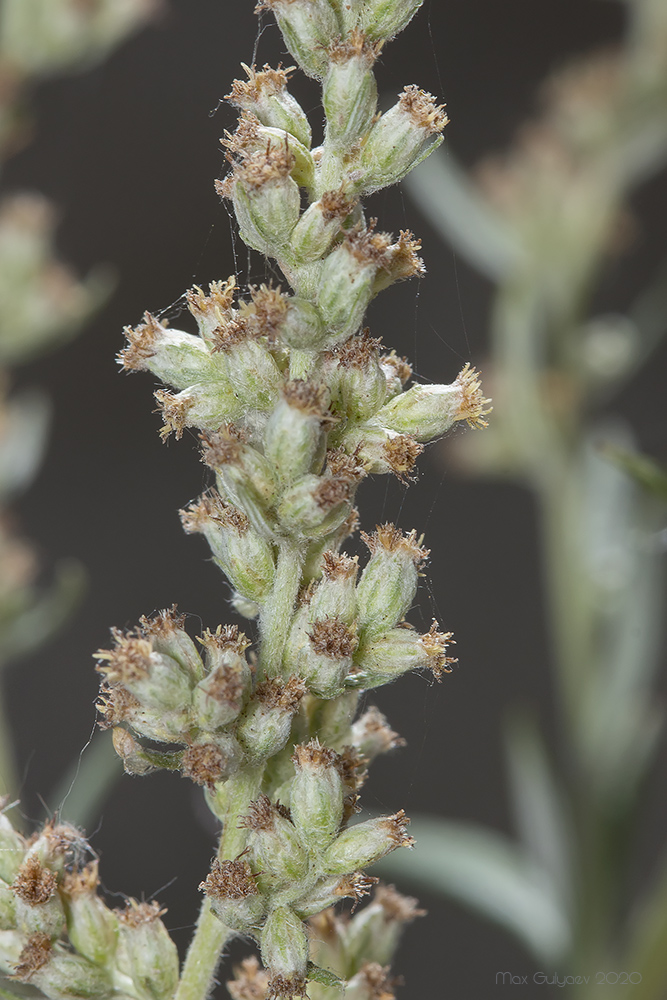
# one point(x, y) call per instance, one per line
point(230, 802)
point(276, 615)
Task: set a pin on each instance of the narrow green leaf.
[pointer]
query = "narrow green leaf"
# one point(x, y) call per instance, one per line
point(486, 872)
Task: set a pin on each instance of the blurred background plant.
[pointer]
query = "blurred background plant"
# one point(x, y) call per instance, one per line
point(42, 304)
point(549, 223)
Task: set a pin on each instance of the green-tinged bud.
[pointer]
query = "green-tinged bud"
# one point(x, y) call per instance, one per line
point(210, 760)
point(166, 633)
point(265, 726)
point(383, 451)
point(388, 656)
point(232, 891)
point(374, 931)
point(284, 948)
point(372, 735)
point(244, 556)
point(91, 926)
point(325, 658)
point(278, 316)
point(349, 90)
point(335, 595)
point(294, 437)
point(318, 505)
point(212, 310)
point(252, 139)
point(308, 27)
point(146, 953)
point(331, 890)
point(388, 583)
point(59, 974)
point(12, 848)
point(358, 383)
point(220, 696)
point(365, 843)
point(346, 285)
point(319, 225)
point(7, 907)
point(244, 476)
point(205, 406)
point(371, 981)
point(316, 799)
point(277, 848)
point(303, 328)
point(253, 372)
point(266, 96)
point(38, 906)
point(383, 19)
point(176, 358)
point(157, 681)
point(141, 760)
point(428, 411)
point(397, 371)
point(401, 139)
point(266, 198)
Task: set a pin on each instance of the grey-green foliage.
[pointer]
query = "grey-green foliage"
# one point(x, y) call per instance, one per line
point(541, 222)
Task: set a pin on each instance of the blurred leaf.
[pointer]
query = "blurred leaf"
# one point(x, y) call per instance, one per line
point(324, 977)
point(452, 205)
point(645, 471)
point(81, 793)
point(31, 628)
point(647, 953)
point(486, 872)
point(538, 805)
point(23, 437)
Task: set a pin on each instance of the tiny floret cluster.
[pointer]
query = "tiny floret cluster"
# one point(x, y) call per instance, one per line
point(294, 403)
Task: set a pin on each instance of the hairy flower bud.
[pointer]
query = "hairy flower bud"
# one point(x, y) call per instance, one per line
point(320, 224)
point(346, 285)
point(318, 505)
point(91, 926)
point(244, 476)
point(146, 953)
point(220, 696)
point(266, 199)
point(428, 411)
point(316, 797)
point(264, 727)
point(232, 890)
point(383, 451)
point(265, 95)
point(330, 890)
point(375, 930)
point(349, 90)
point(294, 438)
point(358, 383)
point(58, 973)
point(244, 556)
point(383, 19)
point(372, 735)
point(278, 850)
point(365, 843)
point(284, 948)
point(179, 359)
point(308, 27)
point(38, 906)
point(401, 139)
point(388, 583)
point(166, 633)
point(400, 650)
point(157, 681)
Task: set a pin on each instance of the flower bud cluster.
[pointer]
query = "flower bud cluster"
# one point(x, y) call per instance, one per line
point(295, 404)
point(301, 858)
point(58, 935)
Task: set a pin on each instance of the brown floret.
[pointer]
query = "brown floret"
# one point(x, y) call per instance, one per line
point(204, 763)
point(222, 448)
point(401, 452)
point(162, 623)
point(261, 815)
point(398, 908)
point(308, 397)
point(129, 660)
point(229, 880)
point(388, 537)
point(314, 756)
point(138, 914)
point(174, 409)
point(339, 566)
point(140, 344)
point(251, 981)
point(281, 694)
point(267, 81)
point(331, 637)
point(34, 883)
point(423, 110)
point(286, 987)
point(354, 46)
point(225, 637)
point(35, 954)
point(336, 204)
point(220, 298)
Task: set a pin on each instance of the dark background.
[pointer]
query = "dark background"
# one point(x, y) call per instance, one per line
point(129, 152)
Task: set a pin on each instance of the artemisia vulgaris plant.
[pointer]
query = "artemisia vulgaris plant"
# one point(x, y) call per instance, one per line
point(295, 403)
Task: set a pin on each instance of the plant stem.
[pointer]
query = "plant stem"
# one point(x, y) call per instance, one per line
point(231, 802)
point(276, 614)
